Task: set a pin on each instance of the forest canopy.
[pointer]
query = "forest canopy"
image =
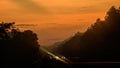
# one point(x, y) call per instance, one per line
point(100, 41)
point(18, 47)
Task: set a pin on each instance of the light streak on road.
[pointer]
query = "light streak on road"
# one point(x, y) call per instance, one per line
point(54, 56)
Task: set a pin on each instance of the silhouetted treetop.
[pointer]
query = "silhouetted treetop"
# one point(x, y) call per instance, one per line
point(5, 30)
point(113, 16)
point(103, 36)
point(101, 41)
point(18, 47)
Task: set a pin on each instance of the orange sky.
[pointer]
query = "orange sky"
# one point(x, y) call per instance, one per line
point(54, 15)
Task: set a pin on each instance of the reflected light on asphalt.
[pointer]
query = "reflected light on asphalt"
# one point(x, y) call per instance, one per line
point(54, 56)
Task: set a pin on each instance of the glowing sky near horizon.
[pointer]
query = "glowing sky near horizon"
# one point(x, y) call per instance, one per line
point(57, 19)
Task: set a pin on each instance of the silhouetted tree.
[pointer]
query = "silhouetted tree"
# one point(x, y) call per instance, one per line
point(18, 47)
point(4, 30)
point(100, 41)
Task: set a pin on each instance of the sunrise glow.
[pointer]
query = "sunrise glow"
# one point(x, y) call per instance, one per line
point(55, 20)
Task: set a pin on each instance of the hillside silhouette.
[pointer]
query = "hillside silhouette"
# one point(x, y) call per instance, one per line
point(20, 49)
point(99, 42)
point(17, 48)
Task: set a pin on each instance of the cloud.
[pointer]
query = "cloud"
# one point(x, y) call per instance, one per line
point(82, 6)
point(77, 10)
point(30, 6)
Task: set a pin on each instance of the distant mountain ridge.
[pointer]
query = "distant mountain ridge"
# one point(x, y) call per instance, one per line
point(67, 44)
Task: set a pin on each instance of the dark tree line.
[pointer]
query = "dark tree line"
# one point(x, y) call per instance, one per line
point(102, 38)
point(16, 47)
point(101, 41)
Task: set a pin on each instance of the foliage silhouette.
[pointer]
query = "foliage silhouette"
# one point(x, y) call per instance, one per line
point(103, 37)
point(100, 41)
point(20, 48)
